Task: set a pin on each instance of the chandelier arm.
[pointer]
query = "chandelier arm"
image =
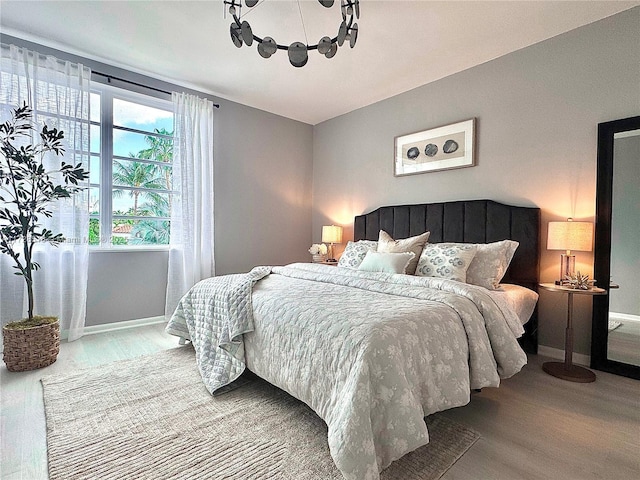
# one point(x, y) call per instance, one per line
point(242, 33)
point(286, 47)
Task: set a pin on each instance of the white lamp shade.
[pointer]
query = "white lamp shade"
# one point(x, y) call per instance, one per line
point(331, 234)
point(570, 236)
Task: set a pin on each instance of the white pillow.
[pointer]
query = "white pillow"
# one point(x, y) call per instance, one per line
point(354, 253)
point(490, 263)
point(446, 260)
point(386, 262)
point(415, 244)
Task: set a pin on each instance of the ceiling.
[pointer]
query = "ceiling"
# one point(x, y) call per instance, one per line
point(401, 44)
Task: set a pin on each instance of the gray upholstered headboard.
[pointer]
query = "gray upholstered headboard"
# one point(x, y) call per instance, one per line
point(470, 221)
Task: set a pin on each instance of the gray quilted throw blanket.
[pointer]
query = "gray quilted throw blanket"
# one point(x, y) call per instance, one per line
point(213, 315)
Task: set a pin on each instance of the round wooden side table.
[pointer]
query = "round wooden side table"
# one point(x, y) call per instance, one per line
point(567, 370)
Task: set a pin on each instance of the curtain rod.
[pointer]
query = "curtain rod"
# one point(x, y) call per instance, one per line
point(111, 77)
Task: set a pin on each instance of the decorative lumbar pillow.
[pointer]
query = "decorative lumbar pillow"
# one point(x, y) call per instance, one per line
point(386, 262)
point(386, 244)
point(490, 263)
point(355, 252)
point(446, 260)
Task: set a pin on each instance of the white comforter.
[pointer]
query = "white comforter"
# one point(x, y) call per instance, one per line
point(371, 353)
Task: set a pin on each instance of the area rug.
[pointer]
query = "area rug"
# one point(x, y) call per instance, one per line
point(152, 418)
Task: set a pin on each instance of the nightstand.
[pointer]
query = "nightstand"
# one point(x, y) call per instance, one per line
point(333, 264)
point(566, 370)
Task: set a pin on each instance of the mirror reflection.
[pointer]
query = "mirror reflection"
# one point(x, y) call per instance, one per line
point(623, 339)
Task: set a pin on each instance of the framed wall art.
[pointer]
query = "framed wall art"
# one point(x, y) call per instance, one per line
point(441, 148)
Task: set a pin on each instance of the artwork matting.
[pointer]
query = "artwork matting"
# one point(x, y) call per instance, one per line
point(441, 148)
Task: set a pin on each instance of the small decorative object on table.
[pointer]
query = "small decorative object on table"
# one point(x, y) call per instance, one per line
point(577, 281)
point(318, 252)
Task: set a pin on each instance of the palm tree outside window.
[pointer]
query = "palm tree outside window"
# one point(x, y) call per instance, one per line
point(132, 157)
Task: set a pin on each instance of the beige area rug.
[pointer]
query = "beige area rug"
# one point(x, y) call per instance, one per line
point(152, 418)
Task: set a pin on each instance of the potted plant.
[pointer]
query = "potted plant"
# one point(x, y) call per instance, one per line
point(27, 189)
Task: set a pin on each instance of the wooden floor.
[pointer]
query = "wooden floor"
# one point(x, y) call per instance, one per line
point(533, 427)
point(624, 343)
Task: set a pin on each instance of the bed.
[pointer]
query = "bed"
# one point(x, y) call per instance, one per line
point(371, 353)
point(473, 221)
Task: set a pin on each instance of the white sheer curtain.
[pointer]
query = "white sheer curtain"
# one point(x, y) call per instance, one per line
point(58, 93)
point(191, 256)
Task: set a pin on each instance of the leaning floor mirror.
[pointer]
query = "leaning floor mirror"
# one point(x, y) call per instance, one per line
point(615, 344)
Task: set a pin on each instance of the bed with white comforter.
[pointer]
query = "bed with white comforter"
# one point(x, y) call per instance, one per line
point(370, 353)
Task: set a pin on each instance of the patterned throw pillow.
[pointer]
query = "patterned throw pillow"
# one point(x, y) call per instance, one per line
point(386, 262)
point(355, 252)
point(446, 260)
point(490, 263)
point(415, 244)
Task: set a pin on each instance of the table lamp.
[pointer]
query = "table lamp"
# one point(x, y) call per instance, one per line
point(569, 236)
point(331, 234)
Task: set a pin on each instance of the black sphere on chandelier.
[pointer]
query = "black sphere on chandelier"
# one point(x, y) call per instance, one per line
point(242, 33)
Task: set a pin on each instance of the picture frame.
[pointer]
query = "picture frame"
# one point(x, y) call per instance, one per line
point(441, 148)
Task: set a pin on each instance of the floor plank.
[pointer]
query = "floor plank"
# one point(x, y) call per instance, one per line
point(533, 427)
point(540, 427)
point(624, 342)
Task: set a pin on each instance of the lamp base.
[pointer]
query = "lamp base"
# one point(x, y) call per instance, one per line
point(567, 267)
point(573, 374)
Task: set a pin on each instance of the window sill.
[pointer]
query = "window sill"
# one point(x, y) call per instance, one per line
point(130, 249)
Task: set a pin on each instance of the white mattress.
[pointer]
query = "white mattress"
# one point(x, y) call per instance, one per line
point(522, 301)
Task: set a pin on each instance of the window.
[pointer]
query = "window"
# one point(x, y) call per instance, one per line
point(130, 168)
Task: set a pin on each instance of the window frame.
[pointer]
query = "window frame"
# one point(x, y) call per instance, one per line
point(107, 94)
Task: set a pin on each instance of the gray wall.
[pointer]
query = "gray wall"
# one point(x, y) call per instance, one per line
point(262, 189)
point(625, 226)
point(263, 168)
point(537, 112)
point(125, 285)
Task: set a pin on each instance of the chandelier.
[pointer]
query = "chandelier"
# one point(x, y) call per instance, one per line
point(242, 33)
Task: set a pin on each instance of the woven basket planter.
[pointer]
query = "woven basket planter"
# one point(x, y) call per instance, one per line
point(31, 348)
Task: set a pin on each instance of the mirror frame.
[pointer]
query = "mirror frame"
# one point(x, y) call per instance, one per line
point(602, 251)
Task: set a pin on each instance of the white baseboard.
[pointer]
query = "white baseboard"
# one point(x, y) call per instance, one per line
point(108, 327)
point(627, 317)
point(578, 358)
point(111, 327)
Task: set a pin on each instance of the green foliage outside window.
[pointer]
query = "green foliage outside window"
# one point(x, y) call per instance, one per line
point(94, 231)
point(144, 176)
